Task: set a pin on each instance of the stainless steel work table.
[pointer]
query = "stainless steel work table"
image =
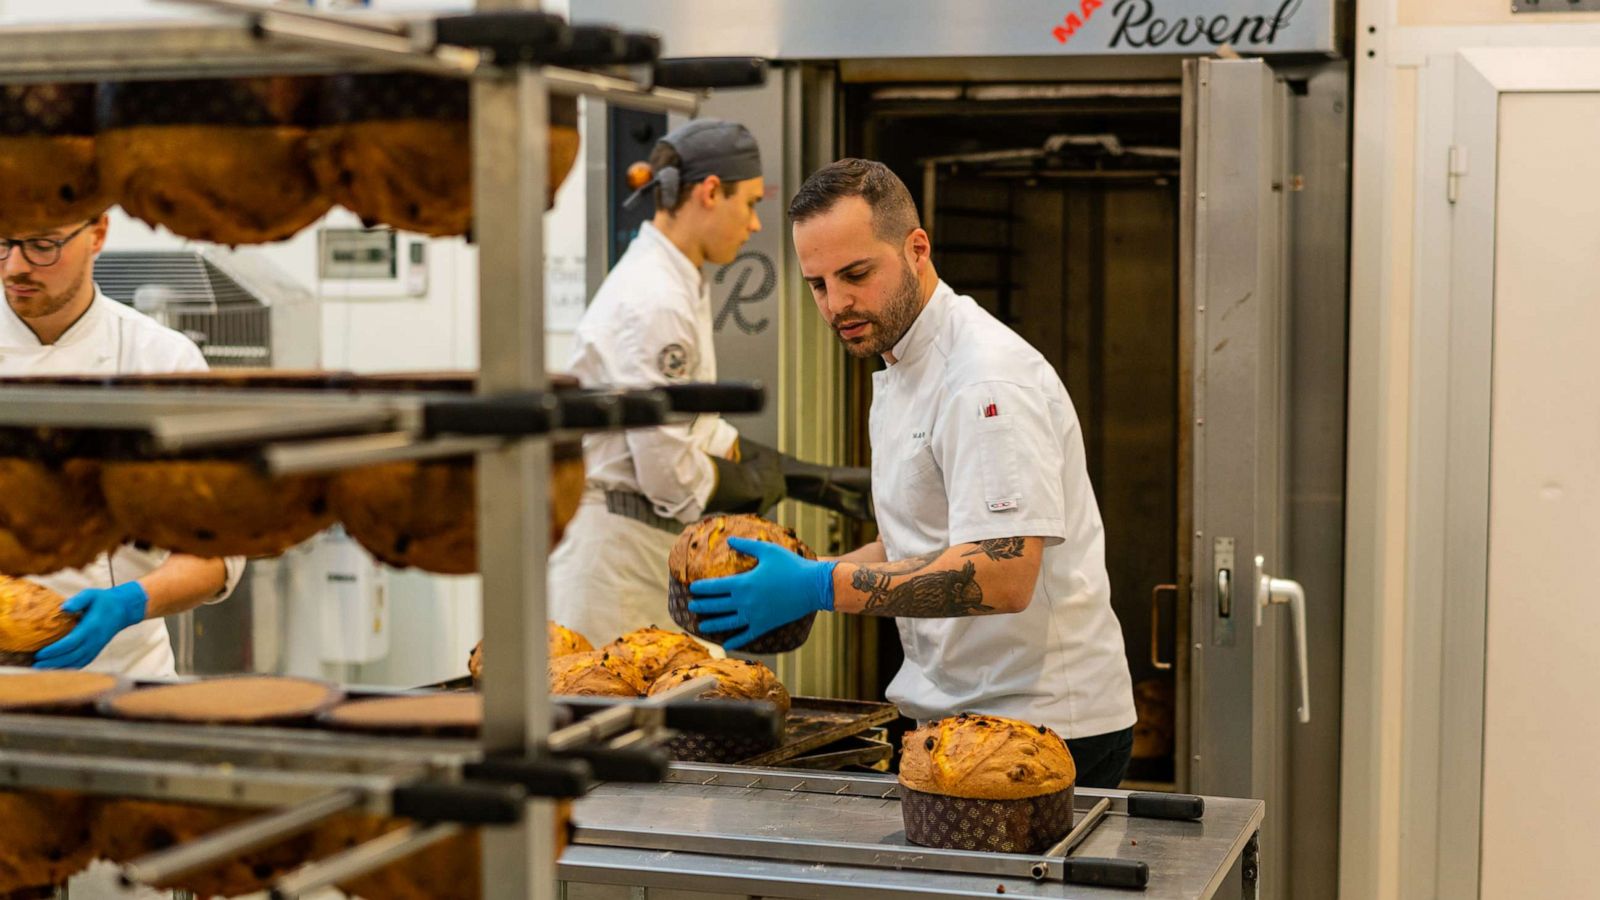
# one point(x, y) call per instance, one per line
point(786, 822)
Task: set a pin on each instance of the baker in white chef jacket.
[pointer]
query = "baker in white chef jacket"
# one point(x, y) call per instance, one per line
point(57, 322)
point(991, 554)
point(650, 323)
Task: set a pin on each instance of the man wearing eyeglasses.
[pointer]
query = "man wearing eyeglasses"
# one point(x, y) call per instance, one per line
point(57, 322)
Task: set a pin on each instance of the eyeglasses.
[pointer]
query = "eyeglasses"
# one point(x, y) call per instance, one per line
point(41, 252)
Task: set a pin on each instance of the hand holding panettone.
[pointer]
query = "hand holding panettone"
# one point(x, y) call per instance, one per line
point(703, 552)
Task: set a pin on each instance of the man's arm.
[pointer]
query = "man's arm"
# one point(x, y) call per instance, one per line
point(182, 583)
point(982, 578)
point(992, 576)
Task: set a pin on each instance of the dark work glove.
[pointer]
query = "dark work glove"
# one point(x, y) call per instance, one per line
point(842, 489)
point(754, 484)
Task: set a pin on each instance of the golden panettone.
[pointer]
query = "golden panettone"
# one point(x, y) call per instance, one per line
point(221, 160)
point(424, 514)
point(396, 148)
point(53, 517)
point(702, 551)
point(563, 641)
point(215, 507)
point(124, 830)
point(596, 673)
point(44, 839)
point(30, 618)
point(974, 782)
point(656, 651)
point(737, 679)
point(48, 176)
point(985, 758)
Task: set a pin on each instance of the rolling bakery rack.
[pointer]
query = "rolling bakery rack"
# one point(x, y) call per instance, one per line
point(514, 57)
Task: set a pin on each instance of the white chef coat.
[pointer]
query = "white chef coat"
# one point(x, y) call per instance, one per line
point(110, 338)
point(650, 323)
point(974, 438)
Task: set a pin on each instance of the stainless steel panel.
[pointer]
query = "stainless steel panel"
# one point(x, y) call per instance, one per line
point(847, 29)
point(1543, 6)
point(1317, 210)
point(1186, 859)
point(1238, 722)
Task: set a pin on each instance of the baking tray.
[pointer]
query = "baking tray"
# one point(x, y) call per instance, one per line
point(819, 721)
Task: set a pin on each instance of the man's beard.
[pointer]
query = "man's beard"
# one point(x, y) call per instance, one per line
point(889, 327)
point(36, 306)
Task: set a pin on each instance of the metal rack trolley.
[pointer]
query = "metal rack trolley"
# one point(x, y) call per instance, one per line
point(509, 112)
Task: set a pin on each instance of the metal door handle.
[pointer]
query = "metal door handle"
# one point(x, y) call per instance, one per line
point(1155, 624)
point(1224, 592)
point(1280, 591)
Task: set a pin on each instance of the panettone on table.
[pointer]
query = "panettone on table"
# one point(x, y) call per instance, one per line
point(975, 782)
point(737, 679)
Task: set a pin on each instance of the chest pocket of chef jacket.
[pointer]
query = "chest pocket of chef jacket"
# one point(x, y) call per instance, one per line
point(997, 456)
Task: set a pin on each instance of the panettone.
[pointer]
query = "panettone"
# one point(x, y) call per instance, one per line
point(424, 514)
point(239, 699)
point(53, 517)
point(30, 618)
point(396, 148)
point(125, 829)
point(215, 507)
point(975, 782)
point(563, 640)
point(448, 870)
point(215, 160)
point(737, 679)
point(702, 551)
point(48, 176)
point(596, 673)
point(656, 651)
point(44, 690)
point(44, 839)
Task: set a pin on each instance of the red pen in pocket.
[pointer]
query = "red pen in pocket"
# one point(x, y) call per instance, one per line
point(991, 411)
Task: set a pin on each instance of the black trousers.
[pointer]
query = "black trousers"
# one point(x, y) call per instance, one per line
point(1102, 759)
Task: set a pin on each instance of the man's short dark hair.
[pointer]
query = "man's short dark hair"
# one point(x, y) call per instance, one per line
point(894, 215)
point(665, 155)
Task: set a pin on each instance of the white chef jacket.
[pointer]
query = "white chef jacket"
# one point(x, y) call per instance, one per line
point(974, 438)
point(110, 338)
point(650, 323)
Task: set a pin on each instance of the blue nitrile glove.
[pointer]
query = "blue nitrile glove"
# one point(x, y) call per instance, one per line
point(103, 613)
point(781, 588)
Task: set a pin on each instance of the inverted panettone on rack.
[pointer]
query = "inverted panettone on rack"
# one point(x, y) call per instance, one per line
point(214, 507)
point(425, 513)
point(44, 840)
point(48, 175)
point(396, 148)
point(702, 551)
point(124, 830)
point(976, 782)
point(53, 516)
point(30, 618)
point(222, 160)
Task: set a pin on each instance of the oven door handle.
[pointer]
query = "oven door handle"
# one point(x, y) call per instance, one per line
point(1272, 591)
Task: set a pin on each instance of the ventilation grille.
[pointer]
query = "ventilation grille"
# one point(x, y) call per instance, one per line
point(185, 291)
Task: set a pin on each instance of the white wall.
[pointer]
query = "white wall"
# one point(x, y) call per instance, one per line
point(1383, 841)
point(1541, 681)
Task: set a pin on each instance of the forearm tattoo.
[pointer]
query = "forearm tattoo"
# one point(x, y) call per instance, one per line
point(999, 548)
point(946, 593)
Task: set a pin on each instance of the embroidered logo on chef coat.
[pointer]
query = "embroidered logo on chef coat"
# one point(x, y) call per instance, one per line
point(674, 361)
